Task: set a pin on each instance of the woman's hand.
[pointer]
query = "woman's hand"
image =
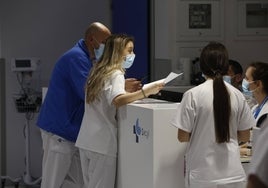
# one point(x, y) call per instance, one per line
point(153, 89)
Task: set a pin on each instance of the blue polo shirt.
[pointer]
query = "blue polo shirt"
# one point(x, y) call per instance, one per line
point(63, 107)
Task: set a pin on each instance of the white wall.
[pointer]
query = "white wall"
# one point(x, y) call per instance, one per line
point(242, 50)
point(43, 29)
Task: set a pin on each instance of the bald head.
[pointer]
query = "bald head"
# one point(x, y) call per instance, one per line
point(96, 34)
point(97, 28)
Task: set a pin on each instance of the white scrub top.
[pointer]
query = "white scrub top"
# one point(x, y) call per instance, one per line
point(263, 111)
point(98, 132)
point(259, 160)
point(207, 162)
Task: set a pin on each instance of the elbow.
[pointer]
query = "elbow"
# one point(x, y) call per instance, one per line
point(116, 104)
point(183, 139)
point(183, 136)
point(119, 102)
point(243, 139)
point(244, 136)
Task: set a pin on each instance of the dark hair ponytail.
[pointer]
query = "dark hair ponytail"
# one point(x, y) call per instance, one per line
point(221, 105)
point(214, 64)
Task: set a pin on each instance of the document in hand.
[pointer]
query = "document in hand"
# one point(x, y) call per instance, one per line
point(170, 77)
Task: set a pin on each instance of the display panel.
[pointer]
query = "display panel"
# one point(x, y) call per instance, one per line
point(200, 16)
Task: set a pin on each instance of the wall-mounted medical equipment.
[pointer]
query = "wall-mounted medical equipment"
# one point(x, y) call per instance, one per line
point(29, 98)
point(24, 64)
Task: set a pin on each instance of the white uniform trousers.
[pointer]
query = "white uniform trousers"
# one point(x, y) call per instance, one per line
point(61, 167)
point(98, 170)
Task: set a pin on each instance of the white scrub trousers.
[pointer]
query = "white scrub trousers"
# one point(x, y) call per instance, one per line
point(61, 166)
point(98, 169)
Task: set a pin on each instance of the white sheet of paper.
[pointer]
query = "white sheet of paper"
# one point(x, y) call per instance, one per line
point(170, 77)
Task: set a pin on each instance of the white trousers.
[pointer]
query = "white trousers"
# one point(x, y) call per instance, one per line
point(98, 169)
point(61, 167)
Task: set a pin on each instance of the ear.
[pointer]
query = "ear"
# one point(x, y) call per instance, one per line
point(259, 83)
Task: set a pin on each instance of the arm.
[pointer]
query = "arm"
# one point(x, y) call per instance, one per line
point(124, 99)
point(243, 136)
point(183, 136)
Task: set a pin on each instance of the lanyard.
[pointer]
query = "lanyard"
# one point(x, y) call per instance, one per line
point(258, 109)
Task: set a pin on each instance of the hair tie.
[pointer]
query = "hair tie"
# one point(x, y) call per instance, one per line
point(217, 72)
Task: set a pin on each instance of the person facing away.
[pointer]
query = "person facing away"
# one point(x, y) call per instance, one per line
point(105, 93)
point(213, 117)
point(63, 108)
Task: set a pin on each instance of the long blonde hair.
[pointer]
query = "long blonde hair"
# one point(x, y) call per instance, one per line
point(110, 61)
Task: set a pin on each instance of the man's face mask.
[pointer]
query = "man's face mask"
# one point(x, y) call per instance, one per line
point(98, 52)
point(227, 79)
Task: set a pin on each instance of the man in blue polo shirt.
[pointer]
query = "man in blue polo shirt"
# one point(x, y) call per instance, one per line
point(63, 108)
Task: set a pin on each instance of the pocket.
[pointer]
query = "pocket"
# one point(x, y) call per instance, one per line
point(60, 145)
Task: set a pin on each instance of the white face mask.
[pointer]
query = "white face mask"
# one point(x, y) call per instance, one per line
point(98, 52)
point(128, 62)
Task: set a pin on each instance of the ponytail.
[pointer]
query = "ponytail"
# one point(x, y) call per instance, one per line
point(214, 64)
point(222, 110)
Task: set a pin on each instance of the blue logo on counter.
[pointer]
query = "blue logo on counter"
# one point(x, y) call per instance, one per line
point(139, 131)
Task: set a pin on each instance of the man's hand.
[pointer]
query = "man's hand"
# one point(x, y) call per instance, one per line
point(132, 85)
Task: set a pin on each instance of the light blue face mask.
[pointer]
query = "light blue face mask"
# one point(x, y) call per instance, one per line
point(227, 79)
point(98, 52)
point(128, 62)
point(245, 87)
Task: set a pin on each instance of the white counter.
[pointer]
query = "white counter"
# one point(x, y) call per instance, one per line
point(149, 153)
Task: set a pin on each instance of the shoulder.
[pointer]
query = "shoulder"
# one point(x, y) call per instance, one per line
point(202, 88)
point(117, 73)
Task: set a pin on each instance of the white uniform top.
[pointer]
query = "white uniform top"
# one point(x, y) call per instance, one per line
point(98, 132)
point(207, 162)
point(259, 162)
point(263, 111)
point(262, 120)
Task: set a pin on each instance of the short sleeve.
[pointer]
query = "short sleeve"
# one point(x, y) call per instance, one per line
point(116, 86)
point(184, 117)
point(247, 119)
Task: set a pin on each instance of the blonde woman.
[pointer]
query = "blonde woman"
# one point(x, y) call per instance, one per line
point(105, 92)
